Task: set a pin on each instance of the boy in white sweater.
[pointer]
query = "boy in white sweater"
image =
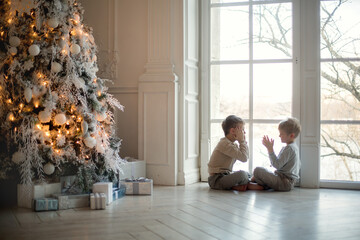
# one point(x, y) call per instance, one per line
point(230, 148)
point(287, 163)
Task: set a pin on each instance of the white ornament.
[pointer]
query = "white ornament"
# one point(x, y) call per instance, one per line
point(100, 148)
point(84, 127)
point(53, 22)
point(57, 4)
point(56, 67)
point(45, 116)
point(60, 119)
point(18, 157)
point(49, 168)
point(34, 50)
point(75, 49)
point(79, 83)
point(90, 142)
point(92, 127)
point(13, 51)
point(60, 140)
point(14, 41)
point(77, 17)
point(62, 43)
point(28, 94)
point(36, 92)
point(100, 116)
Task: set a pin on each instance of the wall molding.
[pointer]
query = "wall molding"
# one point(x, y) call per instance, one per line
point(123, 90)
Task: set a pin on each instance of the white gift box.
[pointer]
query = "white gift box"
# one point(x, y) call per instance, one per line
point(27, 193)
point(97, 201)
point(68, 201)
point(138, 187)
point(133, 168)
point(104, 187)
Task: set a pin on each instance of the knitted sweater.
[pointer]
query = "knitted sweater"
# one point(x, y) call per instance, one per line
point(225, 154)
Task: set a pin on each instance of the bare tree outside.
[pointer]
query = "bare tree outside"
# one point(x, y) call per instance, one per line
point(272, 39)
point(340, 82)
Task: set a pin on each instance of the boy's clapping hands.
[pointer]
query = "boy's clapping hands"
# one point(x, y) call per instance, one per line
point(268, 143)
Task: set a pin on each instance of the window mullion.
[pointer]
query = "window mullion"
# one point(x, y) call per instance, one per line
point(251, 87)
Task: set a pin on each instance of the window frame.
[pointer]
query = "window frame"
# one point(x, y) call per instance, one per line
point(206, 66)
point(306, 91)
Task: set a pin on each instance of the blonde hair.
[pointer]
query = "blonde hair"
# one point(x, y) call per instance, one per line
point(290, 125)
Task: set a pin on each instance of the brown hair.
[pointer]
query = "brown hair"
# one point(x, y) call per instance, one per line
point(231, 122)
point(290, 125)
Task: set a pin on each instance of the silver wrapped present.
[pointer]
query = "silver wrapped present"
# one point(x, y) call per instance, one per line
point(139, 186)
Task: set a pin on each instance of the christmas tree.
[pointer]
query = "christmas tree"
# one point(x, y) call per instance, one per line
point(56, 117)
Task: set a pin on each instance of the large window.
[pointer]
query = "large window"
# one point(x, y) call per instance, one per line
point(254, 72)
point(340, 90)
point(252, 66)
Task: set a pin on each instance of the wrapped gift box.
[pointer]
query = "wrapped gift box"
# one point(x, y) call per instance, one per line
point(68, 201)
point(133, 168)
point(97, 201)
point(140, 186)
point(45, 204)
point(27, 193)
point(66, 182)
point(104, 187)
point(119, 192)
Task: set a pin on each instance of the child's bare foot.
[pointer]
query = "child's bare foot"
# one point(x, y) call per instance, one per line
point(254, 186)
point(240, 188)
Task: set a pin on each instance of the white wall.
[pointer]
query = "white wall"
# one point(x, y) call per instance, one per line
point(155, 73)
point(120, 31)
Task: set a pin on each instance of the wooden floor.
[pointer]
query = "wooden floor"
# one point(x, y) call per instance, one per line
point(196, 212)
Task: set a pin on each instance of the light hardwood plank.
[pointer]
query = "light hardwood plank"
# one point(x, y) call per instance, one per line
point(185, 229)
point(197, 212)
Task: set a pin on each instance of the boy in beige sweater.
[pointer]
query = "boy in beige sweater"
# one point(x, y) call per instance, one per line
point(230, 148)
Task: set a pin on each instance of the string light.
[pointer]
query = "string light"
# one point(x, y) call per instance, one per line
point(11, 117)
point(36, 103)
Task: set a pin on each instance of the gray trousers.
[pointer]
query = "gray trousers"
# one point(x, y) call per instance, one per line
point(273, 180)
point(225, 181)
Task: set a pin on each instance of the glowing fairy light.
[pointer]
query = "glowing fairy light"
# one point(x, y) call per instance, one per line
point(36, 103)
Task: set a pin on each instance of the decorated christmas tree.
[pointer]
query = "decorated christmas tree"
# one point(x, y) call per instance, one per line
point(56, 116)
